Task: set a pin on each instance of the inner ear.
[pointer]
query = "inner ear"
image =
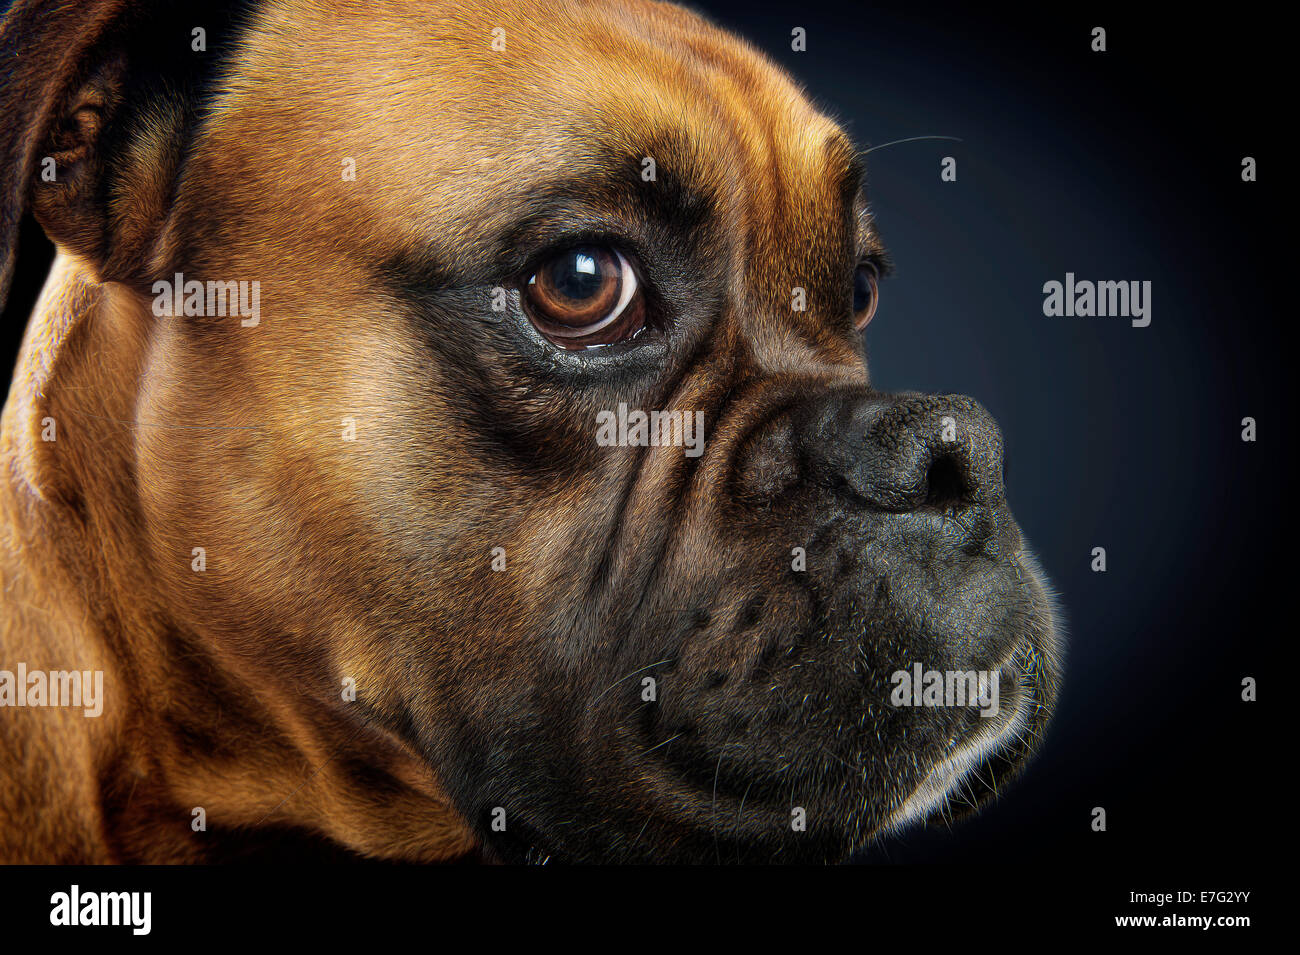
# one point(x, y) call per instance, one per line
point(69, 192)
point(87, 112)
point(100, 99)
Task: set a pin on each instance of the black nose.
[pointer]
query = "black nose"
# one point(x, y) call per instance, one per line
point(905, 453)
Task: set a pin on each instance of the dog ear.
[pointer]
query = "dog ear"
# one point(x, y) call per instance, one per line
point(45, 47)
point(101, 99)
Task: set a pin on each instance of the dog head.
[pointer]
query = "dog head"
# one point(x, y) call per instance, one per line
point(544, 418)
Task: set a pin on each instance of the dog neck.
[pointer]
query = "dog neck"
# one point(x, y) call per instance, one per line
point(194, 748)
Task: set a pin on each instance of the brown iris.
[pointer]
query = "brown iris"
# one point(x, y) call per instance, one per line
point(588, 295)
point(865, 295)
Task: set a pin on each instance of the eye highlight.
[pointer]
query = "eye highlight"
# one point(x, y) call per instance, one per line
point(865, 294)
point(585, 296)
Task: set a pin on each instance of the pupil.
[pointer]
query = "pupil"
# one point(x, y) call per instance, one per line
point(579, 275)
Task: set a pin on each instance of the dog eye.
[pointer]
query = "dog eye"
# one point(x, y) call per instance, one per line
point(585, 296)
point(865, 294)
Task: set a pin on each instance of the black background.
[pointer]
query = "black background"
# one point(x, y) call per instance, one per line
point(1118, 165)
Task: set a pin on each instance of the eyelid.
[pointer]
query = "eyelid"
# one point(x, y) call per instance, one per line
point(879, 260)
point(526, 263)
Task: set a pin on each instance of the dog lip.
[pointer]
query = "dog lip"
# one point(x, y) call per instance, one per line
point(941, 788)
point(976, 759)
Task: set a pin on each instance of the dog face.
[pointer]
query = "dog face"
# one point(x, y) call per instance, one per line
point(472, 248)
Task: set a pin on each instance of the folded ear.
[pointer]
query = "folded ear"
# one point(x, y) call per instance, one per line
point(100, 99)
point(45, 47)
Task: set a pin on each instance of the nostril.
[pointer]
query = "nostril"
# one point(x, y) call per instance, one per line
point(945, 482)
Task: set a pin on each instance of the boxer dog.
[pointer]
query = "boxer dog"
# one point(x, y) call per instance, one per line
point(303, 454)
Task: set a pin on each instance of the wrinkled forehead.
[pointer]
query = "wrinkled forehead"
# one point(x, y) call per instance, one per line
point(441, 124)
